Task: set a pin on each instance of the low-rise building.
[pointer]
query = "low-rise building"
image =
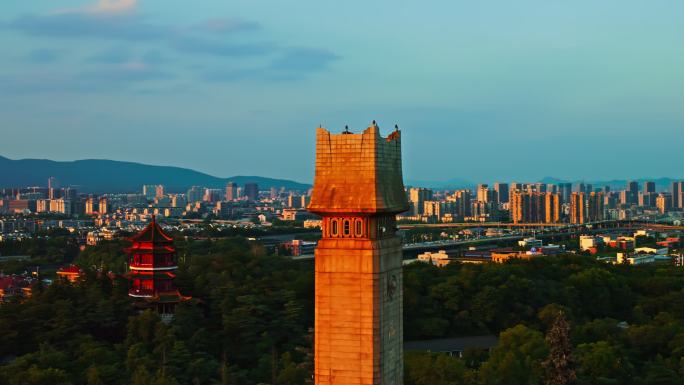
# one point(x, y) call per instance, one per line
point(299, 247)
point(313, 224)
point(434, 258)
point(530, 242)
point(296, 214)
point(641, 259)
point(588, 242)
point(15, 286)
point(651, 250)
point(503, 256)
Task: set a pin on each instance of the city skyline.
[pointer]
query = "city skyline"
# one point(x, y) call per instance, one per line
point(446, 183)
point(88, 79)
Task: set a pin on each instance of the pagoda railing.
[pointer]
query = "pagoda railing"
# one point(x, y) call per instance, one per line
point(153, 267)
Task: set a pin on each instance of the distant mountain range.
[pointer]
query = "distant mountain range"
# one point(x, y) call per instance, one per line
point(661, 183)
point(100, 176)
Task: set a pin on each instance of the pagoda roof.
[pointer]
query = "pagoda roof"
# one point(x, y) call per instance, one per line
point(173, 296)
point(152, 233)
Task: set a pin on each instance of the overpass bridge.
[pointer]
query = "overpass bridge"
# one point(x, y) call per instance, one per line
point(552, 226)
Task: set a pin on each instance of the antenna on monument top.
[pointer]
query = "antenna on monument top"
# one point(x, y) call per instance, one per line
point(396, 127)
point(346, 129)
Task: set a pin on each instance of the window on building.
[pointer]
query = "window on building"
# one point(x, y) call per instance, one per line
point(333, 227)
point(358, 230)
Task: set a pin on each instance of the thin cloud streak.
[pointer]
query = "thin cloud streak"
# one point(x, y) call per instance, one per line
point(43, 55)
point(87, 26)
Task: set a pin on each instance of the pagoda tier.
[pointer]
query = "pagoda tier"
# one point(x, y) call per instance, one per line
point(152, 264)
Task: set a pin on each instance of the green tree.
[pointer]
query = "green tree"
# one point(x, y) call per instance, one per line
point(600, 361)
point(434, 369)
point(517, 359)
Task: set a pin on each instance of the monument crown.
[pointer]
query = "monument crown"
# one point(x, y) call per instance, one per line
point(358, 173)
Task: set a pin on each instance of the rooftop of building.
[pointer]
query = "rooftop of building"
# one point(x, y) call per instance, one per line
point(456, 344)
point(71, 269)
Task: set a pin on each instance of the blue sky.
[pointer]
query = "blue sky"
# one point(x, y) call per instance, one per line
point(483, 91)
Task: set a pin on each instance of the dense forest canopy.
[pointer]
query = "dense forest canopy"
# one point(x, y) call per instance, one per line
point(251, 317)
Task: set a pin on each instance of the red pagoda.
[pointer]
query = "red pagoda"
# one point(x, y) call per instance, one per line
point(152, 264)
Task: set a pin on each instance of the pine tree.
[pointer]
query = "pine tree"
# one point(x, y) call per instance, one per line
point(559, 365)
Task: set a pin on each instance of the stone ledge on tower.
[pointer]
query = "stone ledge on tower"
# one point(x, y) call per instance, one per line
point(358, 173)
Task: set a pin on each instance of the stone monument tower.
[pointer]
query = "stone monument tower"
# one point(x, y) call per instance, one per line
point(358, 190)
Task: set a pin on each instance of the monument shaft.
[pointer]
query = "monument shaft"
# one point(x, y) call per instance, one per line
point(358, 190)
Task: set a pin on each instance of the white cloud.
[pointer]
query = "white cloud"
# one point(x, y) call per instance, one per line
point(102, 7)
point(113, 6)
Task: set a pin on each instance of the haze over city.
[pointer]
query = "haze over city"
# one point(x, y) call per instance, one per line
point(483, 91)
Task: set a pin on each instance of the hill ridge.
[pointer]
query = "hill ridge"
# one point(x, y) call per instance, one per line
point(106, 175)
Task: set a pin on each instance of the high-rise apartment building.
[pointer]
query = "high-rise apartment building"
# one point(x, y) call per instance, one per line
point(647, 199)
point(61, 206)
point(417, 197)
point(252, 191)
point(43, 205)
point(632, 193)
point(194, 194)
point(159, 191)
point(540, 187)
point(53, 188)
point(677, 193)
point(502, 192)
point(565, 190)
point(212, 195)
point(70, 193)
point(535, 207)
point(231, 191)
point(578, 208)
point(624, 197)
point(91, 206)
point(293, 201)
point(649, 187)
point(595, 207)
point(150, 191)
point(484, 193)
point(462, 206)
point(610, 200)
point(664, 202)
point(552, 208)
point(178, 200)
point(103, 206)
point(581, 188)
point(434, 209)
